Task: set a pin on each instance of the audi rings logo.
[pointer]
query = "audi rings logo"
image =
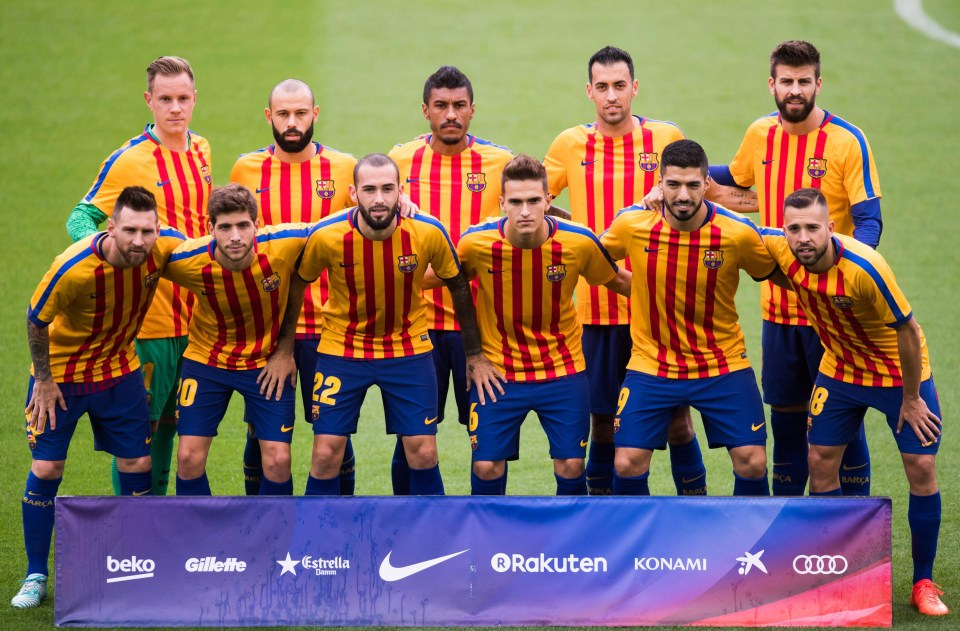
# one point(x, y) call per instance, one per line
point(816, 564)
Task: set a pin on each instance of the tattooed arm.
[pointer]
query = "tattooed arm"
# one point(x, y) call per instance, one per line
point(46, 395)
point(480, 371)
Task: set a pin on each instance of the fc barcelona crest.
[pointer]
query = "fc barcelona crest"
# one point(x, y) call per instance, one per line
point(205, 172)
point(817, 167)
point(556, 273)
point(271, 282)
point(326, 189)
point(406, 263)
point(712, 259)
point(151, 279)
point(476, 182)
point(843, 302)
point(648, 162)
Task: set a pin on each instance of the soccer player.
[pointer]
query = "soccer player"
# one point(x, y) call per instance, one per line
point(375, 326)
point(174, 162)
point(528, 266)
point(608, 165)
point(688, 348)
point(798, 146)
point(241, 336)
point(875, 356)
point(297, 179)
point(81, 326)
point(455, 177)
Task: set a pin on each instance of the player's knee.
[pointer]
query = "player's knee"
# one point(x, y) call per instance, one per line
point(489, 470)
point(749, 461)
point(568, 467)
point(276, 462)
point(134, 465)
point(921, 472)
point(681, 427)
point(630, 462)
point(47, 469)
point(421, 451)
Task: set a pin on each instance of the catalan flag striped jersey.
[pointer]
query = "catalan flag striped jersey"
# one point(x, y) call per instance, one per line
point(834, 158)
point(299, 192)
point(528, 323)
point(376, 309)
point(237, 318)
point(684, 319)
point(95, 310)
point(460, 191)
point(606, 174)
point(854, 307)
point(182, 182)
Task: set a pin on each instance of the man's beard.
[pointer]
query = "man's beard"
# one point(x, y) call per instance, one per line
point(296, 145)
point(378, 224)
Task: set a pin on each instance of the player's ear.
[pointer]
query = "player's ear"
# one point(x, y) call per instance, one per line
point(353, 193)
point(636, 86)
point(267, 114)
point(316, 113)
point(819, 84)
point(147, 97)
point(426, 115)
point(771, 82)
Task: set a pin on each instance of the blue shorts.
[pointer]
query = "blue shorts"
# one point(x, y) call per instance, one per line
point(561, 404)
point(449, 359)
point(119, 416)
point(205, 392)
point(305, 354)
point(837, 409)
point(730, 406)
point(408, 386)
point(791, 360)
point(606, 350)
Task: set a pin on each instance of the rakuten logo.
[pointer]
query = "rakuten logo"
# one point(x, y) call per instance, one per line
point(654, 564)
point(502, 562)
point(210, 564)
point(133, 567)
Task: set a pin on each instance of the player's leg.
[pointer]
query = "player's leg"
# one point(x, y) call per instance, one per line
point(120, 419)
point(791, 355)
point(733, 417)
point(494, 433)
point(201, 403)
point(686, 461)
point(273, 422)
point(606, 351)
point(165, 379)
point(563, 408)
point(644, 408)
point(835, 415)
point(252, 462)
point(324, 478)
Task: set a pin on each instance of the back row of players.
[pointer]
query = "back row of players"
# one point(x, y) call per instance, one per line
point(687, 345)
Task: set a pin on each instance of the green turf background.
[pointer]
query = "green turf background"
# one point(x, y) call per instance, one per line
point(71, 84)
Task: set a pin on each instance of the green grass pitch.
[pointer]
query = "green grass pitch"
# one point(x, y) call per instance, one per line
point(72, 79)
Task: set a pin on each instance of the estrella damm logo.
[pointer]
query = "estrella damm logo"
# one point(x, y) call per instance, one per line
point(712, 259)
point(817, 167)
point(205, 172)
point(556, 273)
point(406, 263)
point(473, 443)
point(648, 162)
point(271, 282)
point(476, 182)
point(151, 279)
point(326, 189)
point(843, 302)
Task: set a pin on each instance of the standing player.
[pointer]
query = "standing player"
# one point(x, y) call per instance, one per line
point(297, 179)
point(528, 266)
point(241, 278)
point(375, 326)
point(688, 348)
point(81, 326)
point(876, 356)
point(803, 145)
point(455, 177)
point(607, 165)
point(174, 162)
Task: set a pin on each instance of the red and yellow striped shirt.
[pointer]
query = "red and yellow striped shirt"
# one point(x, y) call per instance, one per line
point(834, 158)
point(305, 192)
point(528, 323)
point(460, 191)
point(685, 323)
point(95, 310)
point(606, 174)
point(182, 182)
point(237, 318)
point(376, 308)
point(854, 307)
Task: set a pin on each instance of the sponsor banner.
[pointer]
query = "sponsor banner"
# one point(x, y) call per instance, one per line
point(462, 561)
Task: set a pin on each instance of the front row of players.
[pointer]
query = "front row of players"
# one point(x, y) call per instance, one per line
point(522, 343)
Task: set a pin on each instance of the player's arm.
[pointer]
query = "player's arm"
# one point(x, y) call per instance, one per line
point(46, 395)
point(779, 279)
point(84, 220)
point(621, 282)
point(742, 200)
point(480, 371)
point(914, 411)
point(556, 211)
point(281, 365)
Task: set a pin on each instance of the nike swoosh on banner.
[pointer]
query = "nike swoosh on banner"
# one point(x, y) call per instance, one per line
point(390, 573)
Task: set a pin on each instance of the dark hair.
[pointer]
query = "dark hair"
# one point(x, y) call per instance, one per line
point(289, 86)
point(523, 167)
point(374, 160)
point(229, 199)
point(448, 77)
point(794, 53)
point(607, 56)
point(804, 198)
point(169, 67)
point(135, 198)
point(684, 154)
